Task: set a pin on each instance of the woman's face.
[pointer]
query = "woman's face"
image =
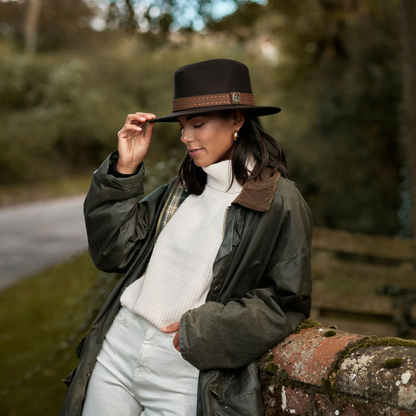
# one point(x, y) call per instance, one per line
point(209, 137)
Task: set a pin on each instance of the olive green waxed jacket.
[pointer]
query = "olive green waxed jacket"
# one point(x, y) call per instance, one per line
point(261, 286)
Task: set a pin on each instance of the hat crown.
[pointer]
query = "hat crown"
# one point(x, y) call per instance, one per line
point(213, 85)
point(211, 77)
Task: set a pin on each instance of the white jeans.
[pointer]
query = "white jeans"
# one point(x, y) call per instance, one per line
point(139, 372)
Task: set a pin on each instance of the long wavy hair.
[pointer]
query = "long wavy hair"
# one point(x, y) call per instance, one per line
point(253, 144)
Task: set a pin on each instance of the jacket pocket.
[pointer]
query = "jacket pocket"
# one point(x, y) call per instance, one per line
point(247, 404)
point(241, 395)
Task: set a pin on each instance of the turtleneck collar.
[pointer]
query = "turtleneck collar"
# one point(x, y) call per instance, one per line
point(219, 176)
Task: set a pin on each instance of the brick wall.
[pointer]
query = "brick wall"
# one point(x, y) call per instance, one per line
point(324, 371)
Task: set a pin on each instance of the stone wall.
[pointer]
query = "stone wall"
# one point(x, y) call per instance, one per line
point(324, 371)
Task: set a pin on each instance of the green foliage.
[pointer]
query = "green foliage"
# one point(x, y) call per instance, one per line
point(62, 24)
point(160, 16)
point(53, 122)
point(340, 99)
point(61, 113)
point(353, 108)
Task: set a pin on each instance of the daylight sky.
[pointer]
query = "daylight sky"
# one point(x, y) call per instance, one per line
point(184, 15)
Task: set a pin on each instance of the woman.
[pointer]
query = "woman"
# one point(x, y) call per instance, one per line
point(217, 262)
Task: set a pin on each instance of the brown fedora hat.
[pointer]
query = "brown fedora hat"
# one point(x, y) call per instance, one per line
point(214, 85)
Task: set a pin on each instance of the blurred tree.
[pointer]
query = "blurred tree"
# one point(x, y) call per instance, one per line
point(338, 79)
point(157, 19)
point(12, 17)
point(32, 26)
point(164, 15)
point(64, 24)
point(333, 65)
point(59, 24)
point(408, 25)
point(47, 25)
point(60, 113)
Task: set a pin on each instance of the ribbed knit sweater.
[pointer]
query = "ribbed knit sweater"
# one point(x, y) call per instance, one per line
point(179, 273)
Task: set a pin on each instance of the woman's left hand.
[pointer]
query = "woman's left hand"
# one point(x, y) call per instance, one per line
point(169, 330)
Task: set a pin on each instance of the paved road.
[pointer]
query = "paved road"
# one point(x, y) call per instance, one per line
point(36, 236)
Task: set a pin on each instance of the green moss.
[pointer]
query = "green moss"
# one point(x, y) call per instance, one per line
point(393, 363)
point(269, 357)
point(307, 323)
point(327, 385)
point(270, 368)
point(374, 342)
point(330, 333)
point(283, 374)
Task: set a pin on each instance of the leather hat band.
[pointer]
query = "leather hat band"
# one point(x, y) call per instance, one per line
point(213, 100)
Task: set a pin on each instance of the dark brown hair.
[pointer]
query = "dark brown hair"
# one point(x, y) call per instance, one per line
point(253, 142)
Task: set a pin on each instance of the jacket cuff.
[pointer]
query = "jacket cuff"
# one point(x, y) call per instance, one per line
point(114, 172)
point(105, 174)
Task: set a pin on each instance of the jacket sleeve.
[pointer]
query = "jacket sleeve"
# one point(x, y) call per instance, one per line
point(117, 219)
point(217, 335)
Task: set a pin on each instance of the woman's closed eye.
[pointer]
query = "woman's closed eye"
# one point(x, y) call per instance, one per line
point(181, 128)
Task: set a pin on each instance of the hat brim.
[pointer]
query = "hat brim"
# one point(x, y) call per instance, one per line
point(254, 110)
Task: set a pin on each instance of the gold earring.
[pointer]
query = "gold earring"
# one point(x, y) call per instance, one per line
point(235, 135)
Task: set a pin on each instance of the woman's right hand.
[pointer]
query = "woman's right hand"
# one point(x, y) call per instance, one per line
point(134, 141)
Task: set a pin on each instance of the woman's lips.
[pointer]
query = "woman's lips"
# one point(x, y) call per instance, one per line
point(194, 152)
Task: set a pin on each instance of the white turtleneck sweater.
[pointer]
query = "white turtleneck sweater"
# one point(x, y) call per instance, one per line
point(179, 273)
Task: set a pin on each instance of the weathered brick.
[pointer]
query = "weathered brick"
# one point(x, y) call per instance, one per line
point(325, 406)
point(364, 374)
point(352, 406)
point(309, 356)
point(378, 378)
point(296, 401)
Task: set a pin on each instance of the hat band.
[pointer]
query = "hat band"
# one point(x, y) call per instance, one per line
point(213, 100)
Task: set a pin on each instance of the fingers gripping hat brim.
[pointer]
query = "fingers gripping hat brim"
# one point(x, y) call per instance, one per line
point(214, 85)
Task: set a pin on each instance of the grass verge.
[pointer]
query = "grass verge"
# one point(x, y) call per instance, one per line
point(55, 188)
point(37, 318)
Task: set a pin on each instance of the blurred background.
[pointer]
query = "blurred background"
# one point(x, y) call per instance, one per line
point(344, 74)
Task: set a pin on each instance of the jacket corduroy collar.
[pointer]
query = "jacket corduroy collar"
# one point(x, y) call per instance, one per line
point(257, 194)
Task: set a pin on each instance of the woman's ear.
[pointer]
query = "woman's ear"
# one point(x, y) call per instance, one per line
point(239, 118)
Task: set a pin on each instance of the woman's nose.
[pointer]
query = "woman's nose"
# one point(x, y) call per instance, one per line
point(185, 136)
